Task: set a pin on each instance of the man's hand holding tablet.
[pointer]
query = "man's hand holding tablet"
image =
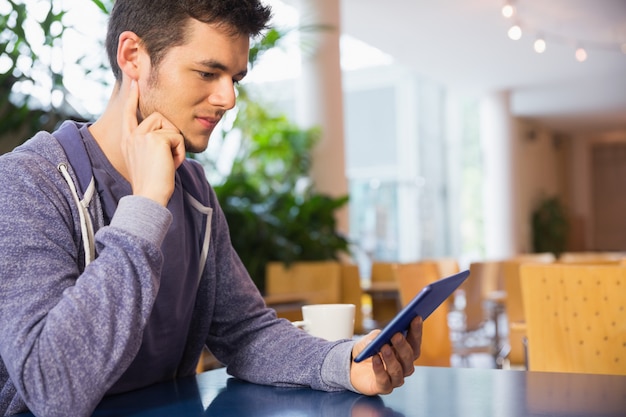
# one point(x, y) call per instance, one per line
point(423, 304)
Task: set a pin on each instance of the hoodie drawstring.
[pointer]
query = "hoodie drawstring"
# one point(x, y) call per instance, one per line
point(86, 226)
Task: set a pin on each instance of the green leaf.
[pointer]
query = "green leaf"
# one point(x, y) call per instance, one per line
point(101, 6)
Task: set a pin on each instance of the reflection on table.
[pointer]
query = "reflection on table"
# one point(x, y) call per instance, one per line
point(430, 391)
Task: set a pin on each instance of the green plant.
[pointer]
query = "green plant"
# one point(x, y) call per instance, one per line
point(274, 211)
point(550, 227)
point(269, 200)
point(26, 45)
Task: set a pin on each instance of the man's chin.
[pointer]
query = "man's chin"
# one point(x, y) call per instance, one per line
point(196, 146)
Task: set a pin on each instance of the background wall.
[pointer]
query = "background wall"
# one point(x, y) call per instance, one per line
point(539, 173)
point(586, 171)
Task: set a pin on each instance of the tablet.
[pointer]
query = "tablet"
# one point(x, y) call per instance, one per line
point(423, 304)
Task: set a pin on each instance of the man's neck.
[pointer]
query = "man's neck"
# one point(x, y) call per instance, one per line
point(107, 131)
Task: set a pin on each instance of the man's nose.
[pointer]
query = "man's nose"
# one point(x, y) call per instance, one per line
point(224, 95)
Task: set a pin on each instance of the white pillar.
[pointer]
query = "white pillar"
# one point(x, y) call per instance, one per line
point(497, 137)
point(320, 97)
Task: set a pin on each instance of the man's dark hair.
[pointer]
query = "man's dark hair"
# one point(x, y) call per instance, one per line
point(161, 24)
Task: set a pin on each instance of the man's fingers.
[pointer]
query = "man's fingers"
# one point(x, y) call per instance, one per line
point(178, 150)
point(383, 381)
point(414, 336)
point(166, 124)
point(129, 118)
point(171, 134)
point(404, 353)
point(393, 364)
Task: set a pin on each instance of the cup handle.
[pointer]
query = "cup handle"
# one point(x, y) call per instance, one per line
point(299, 324)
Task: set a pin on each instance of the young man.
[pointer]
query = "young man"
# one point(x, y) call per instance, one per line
point(116, 262)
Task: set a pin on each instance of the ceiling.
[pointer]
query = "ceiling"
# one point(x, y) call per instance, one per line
point(464, 45)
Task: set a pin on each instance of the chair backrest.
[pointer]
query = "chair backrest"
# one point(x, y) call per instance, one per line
point(383, 271)
point(319, 282)
point(485, 278)
point(514, 306)
point(592, 257)
point(541, 257)
point(575, 317)
point(446, 266)
point(436, 348)
point(351, 292)
point(512, 286)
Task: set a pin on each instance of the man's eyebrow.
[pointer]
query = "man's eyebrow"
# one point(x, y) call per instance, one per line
point(216, 65)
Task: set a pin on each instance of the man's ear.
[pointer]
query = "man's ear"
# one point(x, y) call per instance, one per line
point(129, 51)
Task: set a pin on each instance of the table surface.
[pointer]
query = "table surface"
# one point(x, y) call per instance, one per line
point(430, 392)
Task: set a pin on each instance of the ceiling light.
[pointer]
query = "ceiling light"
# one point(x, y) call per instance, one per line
point(540, 46)
point(508, 11)
point(515, 32)
point(542, 36)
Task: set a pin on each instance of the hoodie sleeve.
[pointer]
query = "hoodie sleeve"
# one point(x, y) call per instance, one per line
point(66, 336)
point(253, 343)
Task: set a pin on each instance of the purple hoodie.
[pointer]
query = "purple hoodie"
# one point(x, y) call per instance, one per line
point(72, 324)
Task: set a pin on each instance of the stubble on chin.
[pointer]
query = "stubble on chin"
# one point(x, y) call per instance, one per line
point(191, 148)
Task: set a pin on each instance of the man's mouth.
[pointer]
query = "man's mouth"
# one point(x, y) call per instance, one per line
point(208, 122)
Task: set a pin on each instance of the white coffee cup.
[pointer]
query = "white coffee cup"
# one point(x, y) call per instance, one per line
point(328, 321)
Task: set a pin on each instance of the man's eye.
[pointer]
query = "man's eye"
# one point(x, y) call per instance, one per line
point(206, 75)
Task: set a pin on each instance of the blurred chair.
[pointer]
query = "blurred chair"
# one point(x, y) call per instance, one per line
point(592, 257)
point(541, 258)
point(318, 281)
point(313, 282)
point(383, 291)
point(288, 288)
point(445, 266)
point(482, 290)
point(482, 305)
point(351, 293)
point(575, 317)
point(514, 307)
point(436, 349)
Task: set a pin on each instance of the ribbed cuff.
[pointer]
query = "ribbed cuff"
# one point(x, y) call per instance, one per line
point(336, 367)
point(142, 217)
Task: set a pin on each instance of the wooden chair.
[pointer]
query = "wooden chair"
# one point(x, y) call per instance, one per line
point(445, 266)
point(486, 284)
point(514, 305)
point(541, 258)
point(315, 282)
point(436, 349)
point(351, 293)
point(592, 257)
point(575, 317)
point(483, 293)
point(384, 292)
point(288, 288)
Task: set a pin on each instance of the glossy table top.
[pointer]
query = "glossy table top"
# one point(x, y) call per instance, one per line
point(430, 392)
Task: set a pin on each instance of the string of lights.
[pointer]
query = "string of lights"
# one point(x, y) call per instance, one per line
point(520, 26)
